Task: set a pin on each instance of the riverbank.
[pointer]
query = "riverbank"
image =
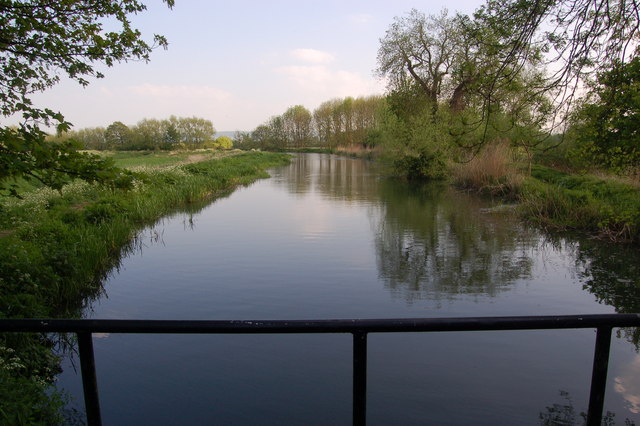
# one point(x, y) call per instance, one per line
point(56, 247)
point(604, 207)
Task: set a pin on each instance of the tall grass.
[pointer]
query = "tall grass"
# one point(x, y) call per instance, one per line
point(604, 207)
point(490, 171)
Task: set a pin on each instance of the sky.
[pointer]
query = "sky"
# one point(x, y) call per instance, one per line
point(240, 62)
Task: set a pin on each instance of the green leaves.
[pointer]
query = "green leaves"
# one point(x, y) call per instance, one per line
point(607, 125)
point(39, 42)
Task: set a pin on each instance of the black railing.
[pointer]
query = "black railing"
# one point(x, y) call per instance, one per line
point(359, 328)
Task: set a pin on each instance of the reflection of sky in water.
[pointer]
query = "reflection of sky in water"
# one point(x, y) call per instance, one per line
point(628, 384)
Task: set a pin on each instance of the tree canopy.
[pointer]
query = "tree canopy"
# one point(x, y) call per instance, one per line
point(41, 41)
point(573, 38)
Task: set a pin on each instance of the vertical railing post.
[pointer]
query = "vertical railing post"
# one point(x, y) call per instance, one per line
point(359, 378)
point(599, 376)
point(89, 381)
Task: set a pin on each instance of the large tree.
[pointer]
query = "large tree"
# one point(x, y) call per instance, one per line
point(423, 49)
point(40, 41)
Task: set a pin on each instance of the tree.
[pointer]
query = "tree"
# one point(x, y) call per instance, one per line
point(148, 134)
point(193, 131)
point(574, 38)
point(40, 41)
point(424, 49)
point(297, 122)
point(322, 123)
point(224, 142)
point(118, 135)
point(608, 124)
point(171, 135)
point(91, 138)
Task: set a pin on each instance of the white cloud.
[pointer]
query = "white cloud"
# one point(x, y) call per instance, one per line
point(321, 80)
point(312, 56)
point(180, 92)
point(627, 383)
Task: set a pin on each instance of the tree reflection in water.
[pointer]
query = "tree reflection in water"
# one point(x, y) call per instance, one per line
point(429, 245)
point(564, 414)
point(611, 272)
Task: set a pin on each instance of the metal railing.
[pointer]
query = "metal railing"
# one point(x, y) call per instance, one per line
point(359, 328)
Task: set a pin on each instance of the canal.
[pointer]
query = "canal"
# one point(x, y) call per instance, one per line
point(330, 237)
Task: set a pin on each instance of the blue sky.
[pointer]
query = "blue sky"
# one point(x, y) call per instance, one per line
point(239, 62)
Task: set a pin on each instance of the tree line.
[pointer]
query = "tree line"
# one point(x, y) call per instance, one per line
point(150, 134)
point(335, 123)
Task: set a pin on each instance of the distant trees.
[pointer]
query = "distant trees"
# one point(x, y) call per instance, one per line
point(193, 132)
point(335, 123)
point(118, 135)
point(297, 125)
point(224, 142)
point(172, 133)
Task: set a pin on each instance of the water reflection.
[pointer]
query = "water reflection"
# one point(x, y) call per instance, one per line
point(431, 241)
point(627, 383)
point(333, 177)
point(564, 414)
point(434, 242)
point(612, 274)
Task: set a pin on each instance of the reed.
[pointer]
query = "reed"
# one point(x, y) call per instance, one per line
point(491, 171)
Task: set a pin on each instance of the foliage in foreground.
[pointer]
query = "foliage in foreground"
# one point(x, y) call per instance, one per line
point(56, 247)
point(41, 42)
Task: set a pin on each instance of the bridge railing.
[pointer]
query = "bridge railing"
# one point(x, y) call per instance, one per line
point(358, 328)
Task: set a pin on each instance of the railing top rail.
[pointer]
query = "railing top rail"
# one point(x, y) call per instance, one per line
point(319, 326)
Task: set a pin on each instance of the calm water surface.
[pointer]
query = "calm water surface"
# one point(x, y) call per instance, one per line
point(328, 237)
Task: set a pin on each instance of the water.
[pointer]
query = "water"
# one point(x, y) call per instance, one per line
point(328, 237)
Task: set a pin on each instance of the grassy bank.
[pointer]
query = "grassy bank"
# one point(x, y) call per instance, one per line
point(604, 207)
point(56, 247)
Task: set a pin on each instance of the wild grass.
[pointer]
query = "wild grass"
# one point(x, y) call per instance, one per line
point(602, 206)
point(149, 159)
point(357, 151)
point(607, 208)
point(491, 171)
